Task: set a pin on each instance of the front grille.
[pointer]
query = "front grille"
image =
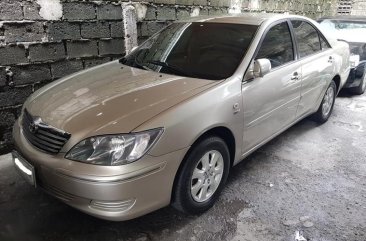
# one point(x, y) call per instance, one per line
point(46, 138)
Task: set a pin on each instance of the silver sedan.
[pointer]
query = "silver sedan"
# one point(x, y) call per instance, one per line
point(165, 124)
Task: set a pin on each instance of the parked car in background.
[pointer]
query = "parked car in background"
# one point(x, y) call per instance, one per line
point(351, 29)
point(165, 124)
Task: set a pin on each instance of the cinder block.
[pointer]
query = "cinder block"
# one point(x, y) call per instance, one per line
point(149, 28)
point(31, 10)
point(95, 30)
point(23, 32)
point(140, 40)
point(183, 13)
point(166, 13)
point(65, 67)
point(15, 96)
point(7, 118)
point(85, 48)
point(118, 56)
point(88, 63)
point(150, 13)
point(216, 3)
point(203, 11)
point(11, 10)
point(109, 12)
point(79, 10)
point(63, 30)
point(184, 2)
point(46, 51)
point(200, 2)
point(12, 55)
point(6, 140)
point(217, 11)
point(2, 77)
point(111, 46)
point(171, 2)
point(117, 29)
point(29, 74)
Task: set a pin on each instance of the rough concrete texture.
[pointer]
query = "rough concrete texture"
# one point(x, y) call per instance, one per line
point(359, 8)
point(308, 183)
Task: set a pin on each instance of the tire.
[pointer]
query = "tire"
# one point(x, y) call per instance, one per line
point(183, 198)
point(326, 107)
point(359, 90)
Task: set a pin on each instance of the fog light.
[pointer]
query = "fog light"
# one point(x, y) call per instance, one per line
point(113, 206)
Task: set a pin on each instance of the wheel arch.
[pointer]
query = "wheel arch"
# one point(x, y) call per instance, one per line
point(220, 131)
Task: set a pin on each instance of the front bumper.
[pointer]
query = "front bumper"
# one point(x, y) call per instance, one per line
point(113, 193)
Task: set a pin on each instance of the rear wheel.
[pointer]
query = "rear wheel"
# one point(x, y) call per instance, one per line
point(326, 107)
point(202, 177)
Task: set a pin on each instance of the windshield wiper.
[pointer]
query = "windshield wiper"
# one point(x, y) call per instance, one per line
point(141, 65)
point(170, 67)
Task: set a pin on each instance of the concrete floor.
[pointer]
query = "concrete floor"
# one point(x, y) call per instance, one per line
point(310, 182)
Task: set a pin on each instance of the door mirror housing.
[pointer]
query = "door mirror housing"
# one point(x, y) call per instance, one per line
point(261, 67)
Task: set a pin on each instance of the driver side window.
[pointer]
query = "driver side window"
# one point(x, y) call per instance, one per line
point(277, 45)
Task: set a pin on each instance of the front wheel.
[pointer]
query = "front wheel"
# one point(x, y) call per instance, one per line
point(326, 107)
point(202, 177)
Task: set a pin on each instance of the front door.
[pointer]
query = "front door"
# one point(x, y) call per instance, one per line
point(270, 102)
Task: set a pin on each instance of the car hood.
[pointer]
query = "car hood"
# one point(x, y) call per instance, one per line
point(110, 98)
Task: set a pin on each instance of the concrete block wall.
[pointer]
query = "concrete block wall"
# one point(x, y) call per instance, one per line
point(358, 7)
point(43, 40)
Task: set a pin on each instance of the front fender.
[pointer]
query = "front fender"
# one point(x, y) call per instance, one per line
point(187, 121)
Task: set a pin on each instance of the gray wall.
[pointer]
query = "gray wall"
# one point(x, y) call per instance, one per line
point(43, 40)
point(359, 7)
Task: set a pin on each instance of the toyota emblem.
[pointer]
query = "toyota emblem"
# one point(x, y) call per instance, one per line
point(33, 126)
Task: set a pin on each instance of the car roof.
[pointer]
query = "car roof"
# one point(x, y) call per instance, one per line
point(242, 18)
point(344, 17)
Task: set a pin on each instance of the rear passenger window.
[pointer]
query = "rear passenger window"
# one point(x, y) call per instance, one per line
point(277, 45)
point(307, 38)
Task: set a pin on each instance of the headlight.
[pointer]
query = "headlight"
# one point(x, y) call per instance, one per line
point(113, 150)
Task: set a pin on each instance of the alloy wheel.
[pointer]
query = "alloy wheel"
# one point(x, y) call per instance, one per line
point(328, 101)
point(207, 176)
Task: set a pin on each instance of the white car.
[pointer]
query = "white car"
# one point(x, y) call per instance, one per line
point(351, 29)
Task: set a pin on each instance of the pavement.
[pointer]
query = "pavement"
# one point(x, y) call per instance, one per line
point(308, 184)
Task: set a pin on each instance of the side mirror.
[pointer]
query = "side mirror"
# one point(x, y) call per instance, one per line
point(261, 67)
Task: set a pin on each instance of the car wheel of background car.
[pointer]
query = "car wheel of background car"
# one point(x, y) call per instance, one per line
point(202, 176)
point(326, 107)
point(359, 90)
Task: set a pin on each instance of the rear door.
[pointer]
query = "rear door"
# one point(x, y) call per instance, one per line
point(270, 102)
point(316, 58)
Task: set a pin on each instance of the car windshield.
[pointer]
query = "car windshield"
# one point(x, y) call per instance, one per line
point(199, 50)
point(345, 27)
point(345, 24)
